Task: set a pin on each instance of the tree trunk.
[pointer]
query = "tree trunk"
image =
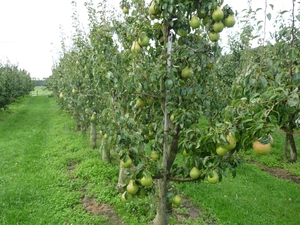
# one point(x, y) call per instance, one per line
point(173, 149)
point(164, 208)
point(286, 146)
point(78, 125)
point(93, 136)
point(290, 145)
point(122, 178)
point(293, 149)
point(106, 155)
point(78, 122)
point(105, 151)
point(83, 127)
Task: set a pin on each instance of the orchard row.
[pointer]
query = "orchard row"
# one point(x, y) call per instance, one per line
point(143, 82)
point(14, 83)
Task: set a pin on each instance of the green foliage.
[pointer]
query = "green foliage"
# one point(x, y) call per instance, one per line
point(92, 169)
point(133, 85)
point(14, 83)
point(266, 86)
point(38, 185)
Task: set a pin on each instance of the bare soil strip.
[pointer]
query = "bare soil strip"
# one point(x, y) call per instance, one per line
point(277, 172)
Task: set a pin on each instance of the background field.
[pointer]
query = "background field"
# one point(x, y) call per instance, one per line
point(40, 91)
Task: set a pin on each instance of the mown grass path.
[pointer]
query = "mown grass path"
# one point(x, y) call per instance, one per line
point(23, 137)
point(34, 183)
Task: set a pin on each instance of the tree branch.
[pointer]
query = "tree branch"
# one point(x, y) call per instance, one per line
point(202, 176)
point(143, 93)
point(187, 179)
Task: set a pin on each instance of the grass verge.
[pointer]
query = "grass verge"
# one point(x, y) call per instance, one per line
point(37, 144)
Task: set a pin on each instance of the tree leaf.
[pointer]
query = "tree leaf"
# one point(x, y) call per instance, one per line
point(273, 119)
point(293, 100)
point(278, 78)
point(233, 172)
point(292, 53)
point(269, 15)
point(296, 79)
point(283, 12)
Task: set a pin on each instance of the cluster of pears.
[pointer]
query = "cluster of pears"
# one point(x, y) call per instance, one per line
point(224, 148)
point(154, 10)
point(143, 41)
point(212, 178)
point(137, 187)
point(219, 23)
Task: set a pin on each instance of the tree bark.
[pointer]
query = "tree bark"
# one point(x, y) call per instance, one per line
point(93, 136)
point(106, 155)
point(286, 146)
point(122, 178)
point(105, 151)
point(290, 146)
point(293, 149)
point(78, 126)
point(173, 149)
point(164, 208)
point(78, 122)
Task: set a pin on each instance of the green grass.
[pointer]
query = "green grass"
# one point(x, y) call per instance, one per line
point(40, 91)
point(47, 168)
point(36, 145)
point(276, 156)
point(253, 197)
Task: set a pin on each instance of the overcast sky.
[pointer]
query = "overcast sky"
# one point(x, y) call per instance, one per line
point(31, 35)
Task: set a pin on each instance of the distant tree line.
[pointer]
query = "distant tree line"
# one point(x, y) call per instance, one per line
point(38, 82)
point(14, 83)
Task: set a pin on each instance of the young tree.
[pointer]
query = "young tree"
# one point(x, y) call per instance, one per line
point(14, 83)
point(272, 77)
point(149, 88)
point(177, 79)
